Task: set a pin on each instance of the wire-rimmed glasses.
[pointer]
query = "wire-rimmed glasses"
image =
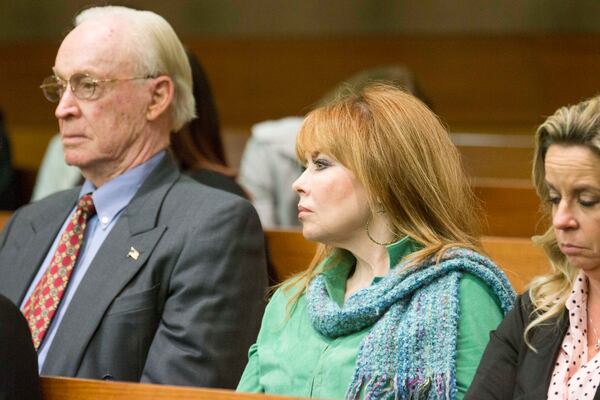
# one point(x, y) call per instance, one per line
point(82, 85)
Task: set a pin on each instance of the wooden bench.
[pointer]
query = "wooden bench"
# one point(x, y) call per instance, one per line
point(290, 253)
point(4, 217)
point(257, 78)
point(54, 388)
point(510, 207)
point(472, 88)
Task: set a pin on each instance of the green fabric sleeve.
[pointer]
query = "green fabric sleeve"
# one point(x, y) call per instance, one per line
point(480, 313)
point(250, 379)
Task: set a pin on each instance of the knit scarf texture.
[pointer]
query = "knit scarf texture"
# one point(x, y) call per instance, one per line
point(410, 352)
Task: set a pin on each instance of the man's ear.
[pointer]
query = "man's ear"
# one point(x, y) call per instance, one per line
point(162, 95)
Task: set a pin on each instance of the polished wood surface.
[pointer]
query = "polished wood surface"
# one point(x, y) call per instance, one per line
point(4, 217)
point(509, 208)
point(474, 89)
point(290, 253)
point(519, 259)
point(54, 388)
point(510, 204)
point(522, 79)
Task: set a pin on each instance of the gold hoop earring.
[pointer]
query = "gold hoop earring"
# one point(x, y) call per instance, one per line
point(371, 237)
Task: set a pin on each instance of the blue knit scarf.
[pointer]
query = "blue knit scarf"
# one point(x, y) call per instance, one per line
point(410, 352)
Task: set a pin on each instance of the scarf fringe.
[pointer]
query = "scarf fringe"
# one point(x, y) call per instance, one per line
point(436, 387)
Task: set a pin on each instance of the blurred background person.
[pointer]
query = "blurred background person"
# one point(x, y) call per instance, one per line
point(18, 361)
point(547, 347)
point(269, 165)
point(8, 190)
point(399, 301)
point(54, 174)
point(198, 146)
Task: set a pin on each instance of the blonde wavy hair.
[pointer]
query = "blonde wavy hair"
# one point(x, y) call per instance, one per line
point(399, 151)
point(577, 125)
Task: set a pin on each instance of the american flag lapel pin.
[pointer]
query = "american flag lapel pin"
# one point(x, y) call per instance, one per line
point(133, 253)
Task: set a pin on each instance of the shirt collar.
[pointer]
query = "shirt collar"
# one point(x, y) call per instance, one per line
point(115, 195)
point(342, 263)
point(577, 301)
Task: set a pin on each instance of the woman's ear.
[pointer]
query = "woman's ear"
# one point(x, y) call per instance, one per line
point(161, 97)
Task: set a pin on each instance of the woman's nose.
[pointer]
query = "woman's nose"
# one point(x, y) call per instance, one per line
point(299, 185)
point(563, 217)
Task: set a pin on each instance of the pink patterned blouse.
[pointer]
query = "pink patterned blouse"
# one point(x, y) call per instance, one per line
point(574, 376)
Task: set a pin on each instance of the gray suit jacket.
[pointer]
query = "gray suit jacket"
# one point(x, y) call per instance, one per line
point(184, 313)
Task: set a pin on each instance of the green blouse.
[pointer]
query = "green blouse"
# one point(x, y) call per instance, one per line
point(291, 358)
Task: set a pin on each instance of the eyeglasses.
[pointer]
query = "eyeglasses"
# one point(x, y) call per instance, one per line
point(82, 85)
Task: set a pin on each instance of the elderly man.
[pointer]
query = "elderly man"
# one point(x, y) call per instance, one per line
point(141, 274)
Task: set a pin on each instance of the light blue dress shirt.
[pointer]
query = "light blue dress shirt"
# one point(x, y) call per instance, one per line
point(110, 200)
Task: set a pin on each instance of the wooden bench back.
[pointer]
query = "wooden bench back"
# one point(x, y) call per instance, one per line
point(54, 388)
point(4, 217)
point(509, 209)
point(290, 253)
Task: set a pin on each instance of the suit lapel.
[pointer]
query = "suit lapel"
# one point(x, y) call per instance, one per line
point(111, 270)
point(547, 342)
point(40, 232)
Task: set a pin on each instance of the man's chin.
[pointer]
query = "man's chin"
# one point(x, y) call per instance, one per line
point(74, 160)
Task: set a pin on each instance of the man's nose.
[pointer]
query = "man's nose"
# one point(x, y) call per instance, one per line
point(67, 105)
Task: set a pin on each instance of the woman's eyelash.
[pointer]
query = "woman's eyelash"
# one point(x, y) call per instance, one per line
point(588, 203)
point(321, 163)
point(553, 200)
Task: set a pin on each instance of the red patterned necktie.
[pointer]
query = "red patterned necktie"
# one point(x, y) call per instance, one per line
point(43, 302)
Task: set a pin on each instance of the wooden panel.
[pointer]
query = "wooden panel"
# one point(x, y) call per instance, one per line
point(28, 145)
point(511, 208)
point(54, 388)
point(520, 81)
point(507, 90)
point(4, 217)
point(289, 252)
point(517, 83)
point(497, 162)
point(519, 259)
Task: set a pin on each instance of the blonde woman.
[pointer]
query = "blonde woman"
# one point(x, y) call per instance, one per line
point(399, 302)
point(547, 347)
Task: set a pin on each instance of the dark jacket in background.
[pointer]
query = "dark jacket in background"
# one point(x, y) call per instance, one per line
point(8, 190)
point(218, 181)
point(18, 361)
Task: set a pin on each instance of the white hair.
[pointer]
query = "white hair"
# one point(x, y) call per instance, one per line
point(158, 51)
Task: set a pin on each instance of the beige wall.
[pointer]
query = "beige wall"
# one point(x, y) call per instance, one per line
point(48, 19)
